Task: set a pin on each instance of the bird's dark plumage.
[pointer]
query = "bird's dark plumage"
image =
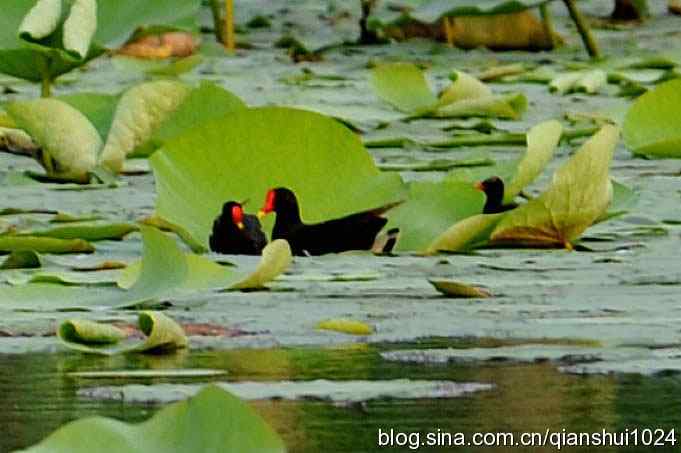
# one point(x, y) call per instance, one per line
point(236, 233)
point(494, 190)
point(353, 232)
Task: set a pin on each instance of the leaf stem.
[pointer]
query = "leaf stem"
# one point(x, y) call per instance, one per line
point(217, 20)
point(230, 43)
point(547, 21)
point(583, 29)
point(46, 80)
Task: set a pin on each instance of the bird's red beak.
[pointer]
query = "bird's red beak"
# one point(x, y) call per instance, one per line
point(268, 206)
point(238, 217)
point(480, 186)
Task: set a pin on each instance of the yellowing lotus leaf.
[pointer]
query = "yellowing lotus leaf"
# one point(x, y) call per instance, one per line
point(140, 111)
point(41, 20)
point(580, 193)
point(542, 141)
point(69, 141)
point(466, 234)
point(80, 27)
point(464, 86)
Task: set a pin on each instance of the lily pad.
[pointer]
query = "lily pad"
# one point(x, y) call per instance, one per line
point(162, 334)
point(88, 232)
point(451, 288)
point(140, 111)
point(346, 326)
point(70, 146)
point(404, 86)
point(213, 420)
point(241, 157)
point(579, 194)
point(651, 126)
point(11, 243)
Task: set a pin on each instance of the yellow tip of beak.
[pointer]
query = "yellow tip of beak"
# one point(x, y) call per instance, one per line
point(479, 185)
point(261, 214)
point(240, 225)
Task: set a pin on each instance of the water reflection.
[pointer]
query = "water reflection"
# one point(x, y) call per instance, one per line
point(37, 396)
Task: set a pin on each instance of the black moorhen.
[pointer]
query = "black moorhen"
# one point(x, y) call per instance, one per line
point(353, 232)
point(236, 233)
point(494, 190)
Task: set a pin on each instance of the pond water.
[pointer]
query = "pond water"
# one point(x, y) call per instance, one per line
point(38, 396)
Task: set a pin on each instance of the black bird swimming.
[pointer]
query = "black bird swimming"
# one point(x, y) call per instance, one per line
point(494, 190)
point(236, 233)
point(353, 232)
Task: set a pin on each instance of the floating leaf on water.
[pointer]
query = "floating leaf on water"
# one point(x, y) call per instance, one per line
point(10, 243)
point(542, 141)
point(451, 288)
point(23, 259)
point(464, 86)
point(580, 193)
point(145, 374)
point(276, 258)
point(403, 85)
point(315, 156)
point(196, 424)
point(346, 326)
point(162, 334)
point(70, 146)
point(140, 111)
point(465, 235)
point(88, 232)
point(651, 126)
point(509, 106)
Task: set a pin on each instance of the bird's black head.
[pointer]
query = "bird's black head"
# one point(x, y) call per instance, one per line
point(281, 201)
point(234, 211)
point(494, 189)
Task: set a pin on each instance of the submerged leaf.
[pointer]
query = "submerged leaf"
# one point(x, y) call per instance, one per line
point(140, 111)
point(80, 27)
point(651, 125)
point(213, 420)
point(70, 145)
point(580, 193)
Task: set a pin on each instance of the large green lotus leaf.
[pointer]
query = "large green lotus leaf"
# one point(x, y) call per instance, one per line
point(404, 86)
point(118, 19)
point(162, 334)
point(465, 235)
point(80, 27)
point(580, 193)
point(542, 141)
point(97, 107)
point(204, 274)
point(246, 153)
point(70, 145)
point(208, 101)
point(140, 111)
point(430, 11)
point(213, 420)
point(651, 125)
point(430, 209)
